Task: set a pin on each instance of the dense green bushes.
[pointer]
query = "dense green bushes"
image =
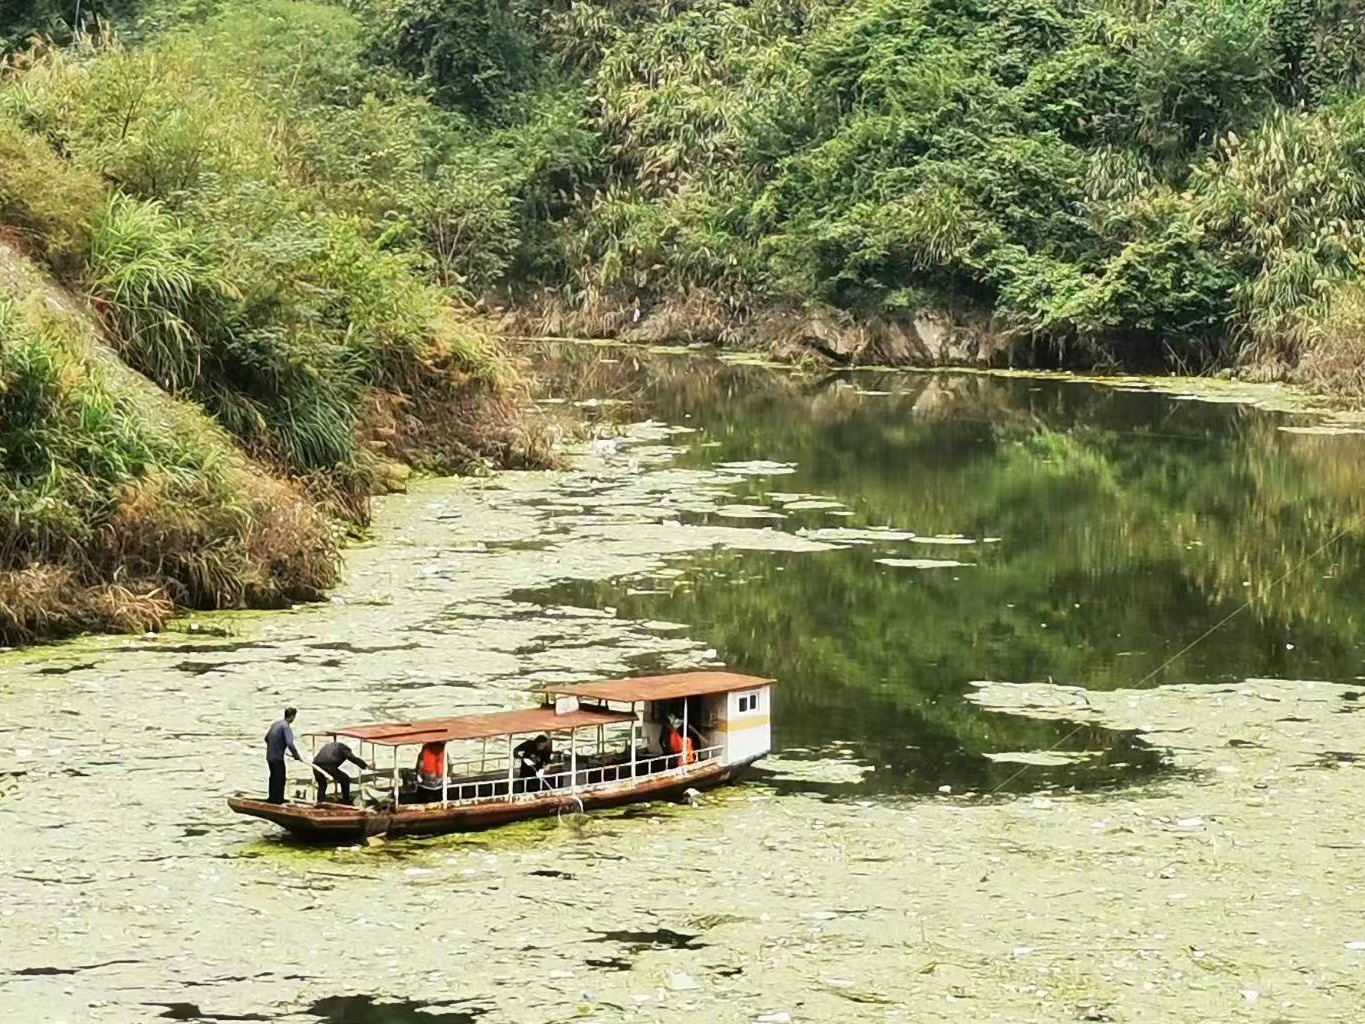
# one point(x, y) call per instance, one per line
point(242, 205)
point(475, 53)
point(1111, 176)
point(206, 209)
point(116, 506)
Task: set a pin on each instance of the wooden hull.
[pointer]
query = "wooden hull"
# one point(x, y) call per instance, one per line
point(340, 823)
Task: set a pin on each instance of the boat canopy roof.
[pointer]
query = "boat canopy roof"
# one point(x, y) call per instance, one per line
point(478, 727)
point(670, 687)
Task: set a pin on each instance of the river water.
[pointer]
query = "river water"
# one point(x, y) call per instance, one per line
point(878, 542)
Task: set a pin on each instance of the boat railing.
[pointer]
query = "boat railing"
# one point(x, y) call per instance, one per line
point(585, 778)
point(378, 782)
point(643, 768)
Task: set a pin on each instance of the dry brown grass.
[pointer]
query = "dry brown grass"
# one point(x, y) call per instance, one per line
point(1331, 348)
point(289, 544)
point(46, 602)
point(445, 420)
point(279, 549)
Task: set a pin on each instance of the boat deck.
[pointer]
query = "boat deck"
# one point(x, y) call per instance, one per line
point(339, 822)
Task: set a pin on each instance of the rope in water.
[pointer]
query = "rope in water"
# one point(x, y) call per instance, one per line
point(559, 811)
point(1352, 525)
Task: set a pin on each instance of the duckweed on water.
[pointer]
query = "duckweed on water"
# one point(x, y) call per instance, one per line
point(840, 881)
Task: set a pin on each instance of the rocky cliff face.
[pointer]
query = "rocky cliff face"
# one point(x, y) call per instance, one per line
point(927, 337)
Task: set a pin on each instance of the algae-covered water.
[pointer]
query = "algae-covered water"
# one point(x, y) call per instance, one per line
point(879, 543)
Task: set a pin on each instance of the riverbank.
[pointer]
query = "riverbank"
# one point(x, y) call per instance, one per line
point(287, 212)
point(932, 339)
point(122, 504)
point(1218, 890)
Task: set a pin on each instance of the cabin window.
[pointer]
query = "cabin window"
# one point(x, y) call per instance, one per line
point(748, 702)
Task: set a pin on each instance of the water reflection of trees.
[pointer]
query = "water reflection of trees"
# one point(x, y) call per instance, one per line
point(1130, 524)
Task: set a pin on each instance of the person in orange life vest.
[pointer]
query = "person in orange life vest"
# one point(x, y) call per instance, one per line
point(674, 742)
point(431, 769)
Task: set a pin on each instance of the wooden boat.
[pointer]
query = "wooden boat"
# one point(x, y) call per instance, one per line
point(614, 731)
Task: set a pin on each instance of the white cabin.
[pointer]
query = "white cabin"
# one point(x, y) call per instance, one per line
point(728, 715)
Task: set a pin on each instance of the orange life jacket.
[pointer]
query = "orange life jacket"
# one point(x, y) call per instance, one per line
point(680, 744)
point(431, 762)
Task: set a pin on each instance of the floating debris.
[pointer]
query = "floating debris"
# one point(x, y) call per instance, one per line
point(853, 535)
point(787, 497)
point(758, 467)
point(1325, 430)
point(923, 563)
point(823, 770)
point(748, 512)
point(1042, 758)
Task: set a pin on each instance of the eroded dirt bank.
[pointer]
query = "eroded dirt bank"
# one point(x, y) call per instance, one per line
point(1224, 892)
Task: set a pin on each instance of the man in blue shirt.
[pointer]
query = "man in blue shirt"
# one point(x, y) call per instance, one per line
point(278, 739)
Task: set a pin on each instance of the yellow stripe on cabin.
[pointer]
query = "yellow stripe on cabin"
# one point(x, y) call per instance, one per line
point(747, 723)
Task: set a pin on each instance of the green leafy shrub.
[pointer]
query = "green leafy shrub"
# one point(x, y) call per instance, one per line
point(1116, 179)
point(100, 480)
point(475, 53)
point(1108, 179)
point(238, 258)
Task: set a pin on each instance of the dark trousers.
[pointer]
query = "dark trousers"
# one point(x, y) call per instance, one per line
point(342, 780)
point(276, 781)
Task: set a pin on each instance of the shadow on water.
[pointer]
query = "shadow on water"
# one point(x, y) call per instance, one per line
point(1128, 523)
point(659, 938)
point(370, 1010)
point(192, 1012)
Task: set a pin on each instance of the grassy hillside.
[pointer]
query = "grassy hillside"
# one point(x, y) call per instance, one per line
point(118, 504)
point(179, 197)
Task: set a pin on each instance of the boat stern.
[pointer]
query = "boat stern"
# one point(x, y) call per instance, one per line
point(309, 821)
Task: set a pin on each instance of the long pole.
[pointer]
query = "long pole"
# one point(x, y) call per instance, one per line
point(634, 756)
point(682, 758)
point(395, 778)
point(445, 776)
point(573, 760)
point(509, 767)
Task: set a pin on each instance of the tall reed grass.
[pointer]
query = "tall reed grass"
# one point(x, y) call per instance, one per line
point(116, 506)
